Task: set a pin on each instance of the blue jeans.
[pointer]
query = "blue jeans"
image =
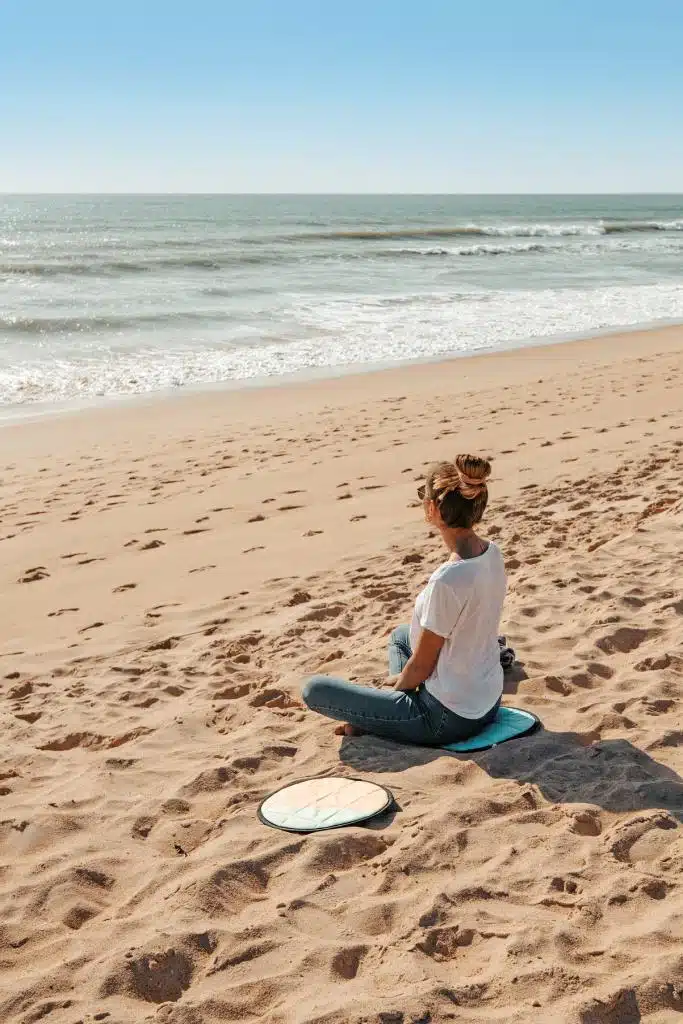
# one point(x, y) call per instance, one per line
point(409, 717)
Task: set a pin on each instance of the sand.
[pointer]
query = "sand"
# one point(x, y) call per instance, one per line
point(172, 569)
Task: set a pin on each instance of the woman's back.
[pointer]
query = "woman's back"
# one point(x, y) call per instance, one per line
point(463, 602)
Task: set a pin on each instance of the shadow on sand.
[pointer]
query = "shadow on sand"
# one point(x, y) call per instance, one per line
point(612, 774)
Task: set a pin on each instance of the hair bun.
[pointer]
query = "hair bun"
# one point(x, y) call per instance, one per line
point(473, 472)
point(459, 490)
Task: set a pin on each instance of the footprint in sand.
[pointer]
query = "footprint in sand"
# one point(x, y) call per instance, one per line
point(625, 639)
point(151, 545)
point(124, 587)
point(323, 612)
point(272, 699)
point(39, 572)
point(232, 692)
point(346, 963)
point(93, 741)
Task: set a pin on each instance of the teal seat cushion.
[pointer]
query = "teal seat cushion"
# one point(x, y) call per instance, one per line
point(509, 724)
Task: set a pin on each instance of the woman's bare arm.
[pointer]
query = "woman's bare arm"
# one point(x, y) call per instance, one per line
point(422, 662)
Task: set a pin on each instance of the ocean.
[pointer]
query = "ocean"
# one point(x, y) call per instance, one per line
point(106, 296)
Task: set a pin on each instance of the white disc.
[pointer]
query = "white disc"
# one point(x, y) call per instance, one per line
point(327, 802)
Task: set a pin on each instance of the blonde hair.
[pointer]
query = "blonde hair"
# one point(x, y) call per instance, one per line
point(460, 489)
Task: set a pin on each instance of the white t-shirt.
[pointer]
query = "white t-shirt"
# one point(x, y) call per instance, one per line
point(463, 602)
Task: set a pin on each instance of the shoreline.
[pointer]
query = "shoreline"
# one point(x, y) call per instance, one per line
point(12, 415)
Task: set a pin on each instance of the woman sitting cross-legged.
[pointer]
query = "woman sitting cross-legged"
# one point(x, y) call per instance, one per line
point(448, 677)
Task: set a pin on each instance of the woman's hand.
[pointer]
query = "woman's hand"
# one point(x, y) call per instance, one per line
point(399, 683)
point(405, 685)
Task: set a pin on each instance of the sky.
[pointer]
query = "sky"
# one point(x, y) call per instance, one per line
point(341, 96)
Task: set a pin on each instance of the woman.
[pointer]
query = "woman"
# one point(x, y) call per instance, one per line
point(448, 677)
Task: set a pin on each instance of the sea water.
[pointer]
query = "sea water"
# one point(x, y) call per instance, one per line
point(120, 295)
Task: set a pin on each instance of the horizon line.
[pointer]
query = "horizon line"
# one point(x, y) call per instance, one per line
point(6, 194)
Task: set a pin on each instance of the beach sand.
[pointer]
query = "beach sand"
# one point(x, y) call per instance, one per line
point(171, 571)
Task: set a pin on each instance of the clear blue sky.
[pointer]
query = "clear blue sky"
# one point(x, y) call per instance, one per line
point(341, 96)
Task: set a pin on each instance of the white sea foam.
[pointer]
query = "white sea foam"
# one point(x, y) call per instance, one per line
point(541, 230)
point(356, 330)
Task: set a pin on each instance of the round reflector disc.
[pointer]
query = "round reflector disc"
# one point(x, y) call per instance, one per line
point(330, 802)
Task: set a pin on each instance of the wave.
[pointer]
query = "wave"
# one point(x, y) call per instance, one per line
point(108, 268)
point(221, 262)
point(468, 250)
point(556, 229)
point(462, 231)
point(594, 246)
point(86, 324)
point(628, 226)
point(121, 268)
point(239, 290)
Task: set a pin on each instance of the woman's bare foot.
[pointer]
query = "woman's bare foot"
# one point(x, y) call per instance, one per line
point(348, 730)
